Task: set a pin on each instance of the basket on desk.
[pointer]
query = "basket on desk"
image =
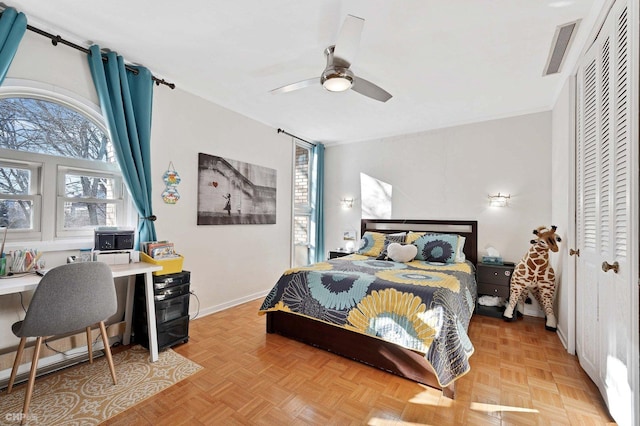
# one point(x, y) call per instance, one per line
point(169, 266)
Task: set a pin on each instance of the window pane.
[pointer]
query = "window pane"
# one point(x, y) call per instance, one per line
point(36, 125)
point(16, 214)
point(301, 184)
point(301, 241)
point(82, 214)
point(15, 181)
point(301, 231)
point(76, 186)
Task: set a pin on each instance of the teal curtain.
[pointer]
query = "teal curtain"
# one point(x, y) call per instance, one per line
point(12, 27)
point(126, 101)
point(317, 205)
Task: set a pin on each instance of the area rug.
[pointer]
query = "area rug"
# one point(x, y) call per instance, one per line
point(85, 394)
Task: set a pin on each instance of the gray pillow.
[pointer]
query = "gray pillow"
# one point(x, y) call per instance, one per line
point(398, 237)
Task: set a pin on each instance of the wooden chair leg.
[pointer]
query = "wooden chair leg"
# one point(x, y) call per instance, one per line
point(107, 351)
point(16, 364)
point(89, 345)
point(32, 379)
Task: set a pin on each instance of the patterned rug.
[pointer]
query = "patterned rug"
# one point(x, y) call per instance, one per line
point(85, 394)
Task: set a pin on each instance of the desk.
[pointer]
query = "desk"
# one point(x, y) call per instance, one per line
point(27, 282)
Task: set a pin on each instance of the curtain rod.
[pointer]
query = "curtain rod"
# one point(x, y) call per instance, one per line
point(294, 136)
point(55, 39)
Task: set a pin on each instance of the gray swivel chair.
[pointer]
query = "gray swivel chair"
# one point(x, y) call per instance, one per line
point(69, 298)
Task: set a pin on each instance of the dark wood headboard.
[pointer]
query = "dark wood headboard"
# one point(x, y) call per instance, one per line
point(465, 228)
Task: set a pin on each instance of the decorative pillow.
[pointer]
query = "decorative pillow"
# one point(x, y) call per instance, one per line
point(402, 253)
point(412, 236)
point(388, 239)
point(437, 247)
point(460, 256)
point(371, 244)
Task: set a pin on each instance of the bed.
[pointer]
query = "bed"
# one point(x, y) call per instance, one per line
point(407, 318)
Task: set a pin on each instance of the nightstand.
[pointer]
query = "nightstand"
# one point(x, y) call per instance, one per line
point(333, 254)
point(493, 280)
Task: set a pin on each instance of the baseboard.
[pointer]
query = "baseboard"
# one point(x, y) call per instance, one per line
point(563, 339)
point(50, 364)
point(56, 361)
point(230, 304)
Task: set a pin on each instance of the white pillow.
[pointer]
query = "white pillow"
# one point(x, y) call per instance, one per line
point(460, 257)
point(401, 253)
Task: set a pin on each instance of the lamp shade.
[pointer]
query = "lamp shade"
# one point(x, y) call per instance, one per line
point(337, 84)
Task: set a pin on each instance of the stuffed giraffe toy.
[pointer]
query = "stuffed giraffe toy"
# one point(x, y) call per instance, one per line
point(534, 273)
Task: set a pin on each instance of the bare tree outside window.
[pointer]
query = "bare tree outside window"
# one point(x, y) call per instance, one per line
point(36, 125)
point(15, 212)
point(51, 128)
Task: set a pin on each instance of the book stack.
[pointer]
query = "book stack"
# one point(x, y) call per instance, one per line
point(159, 250)
point(161, 253)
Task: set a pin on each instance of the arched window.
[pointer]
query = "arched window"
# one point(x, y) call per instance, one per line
point(58, 174)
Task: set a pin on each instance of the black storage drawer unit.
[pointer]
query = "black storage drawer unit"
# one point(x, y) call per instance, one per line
point(172, 308)
point(170, 333)
point(171, 292)
point(171, 300)
point(161, 282)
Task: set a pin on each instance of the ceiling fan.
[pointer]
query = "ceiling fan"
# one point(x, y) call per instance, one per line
point(337, 75)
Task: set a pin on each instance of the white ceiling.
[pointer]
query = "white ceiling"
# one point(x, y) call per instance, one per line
point(445, 62)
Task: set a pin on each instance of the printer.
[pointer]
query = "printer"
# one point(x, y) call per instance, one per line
point(109, 238)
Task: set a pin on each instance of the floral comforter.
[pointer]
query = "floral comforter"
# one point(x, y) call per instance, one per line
point(418, 305)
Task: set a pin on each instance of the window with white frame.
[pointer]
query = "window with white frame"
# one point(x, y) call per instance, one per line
point(58, 174)
point(302, 204)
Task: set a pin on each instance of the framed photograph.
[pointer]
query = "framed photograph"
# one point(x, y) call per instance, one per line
point(349, 235)
point(234, 192)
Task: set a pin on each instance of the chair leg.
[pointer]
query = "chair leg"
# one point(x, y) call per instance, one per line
point(16, 364)
point(89, 345)
point(107, 351)
point(32, 379)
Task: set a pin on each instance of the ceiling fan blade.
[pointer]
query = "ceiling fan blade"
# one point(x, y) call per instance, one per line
point(367, 88)
point(296, 86)
point(348, 40)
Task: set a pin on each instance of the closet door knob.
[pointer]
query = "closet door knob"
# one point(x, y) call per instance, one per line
point(576, 252)
point(606, 266)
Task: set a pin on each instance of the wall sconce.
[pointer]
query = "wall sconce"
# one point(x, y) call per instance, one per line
point(346, 203)
point(500, 200)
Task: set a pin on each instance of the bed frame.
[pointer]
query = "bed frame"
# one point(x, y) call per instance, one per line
point(372, 351)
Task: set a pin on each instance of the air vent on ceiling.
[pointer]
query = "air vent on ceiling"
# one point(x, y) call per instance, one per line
point(560, 46)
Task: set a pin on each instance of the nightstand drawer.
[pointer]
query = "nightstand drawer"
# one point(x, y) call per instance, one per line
point(494, 275)
point(493, 289)
point(334, 254)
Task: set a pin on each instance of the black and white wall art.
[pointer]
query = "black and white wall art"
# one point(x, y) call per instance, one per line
point(235, 192)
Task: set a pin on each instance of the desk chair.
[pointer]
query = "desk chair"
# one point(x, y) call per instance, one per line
point(68, 298)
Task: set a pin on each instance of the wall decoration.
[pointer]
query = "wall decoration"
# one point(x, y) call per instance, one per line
point(170, 195)
point(171, 179)
point(233, 192)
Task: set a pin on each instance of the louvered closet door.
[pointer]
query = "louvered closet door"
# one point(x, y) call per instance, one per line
point(587, 302)
point(606, 220)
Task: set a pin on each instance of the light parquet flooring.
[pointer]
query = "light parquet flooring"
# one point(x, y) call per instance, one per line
point(520, 375)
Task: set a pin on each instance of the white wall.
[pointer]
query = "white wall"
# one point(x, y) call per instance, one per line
point(448, 174)
point(229, 264)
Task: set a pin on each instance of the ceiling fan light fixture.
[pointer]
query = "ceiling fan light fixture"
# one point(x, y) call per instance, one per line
point(337, 76)
point(337, 84)
point(337, 80)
